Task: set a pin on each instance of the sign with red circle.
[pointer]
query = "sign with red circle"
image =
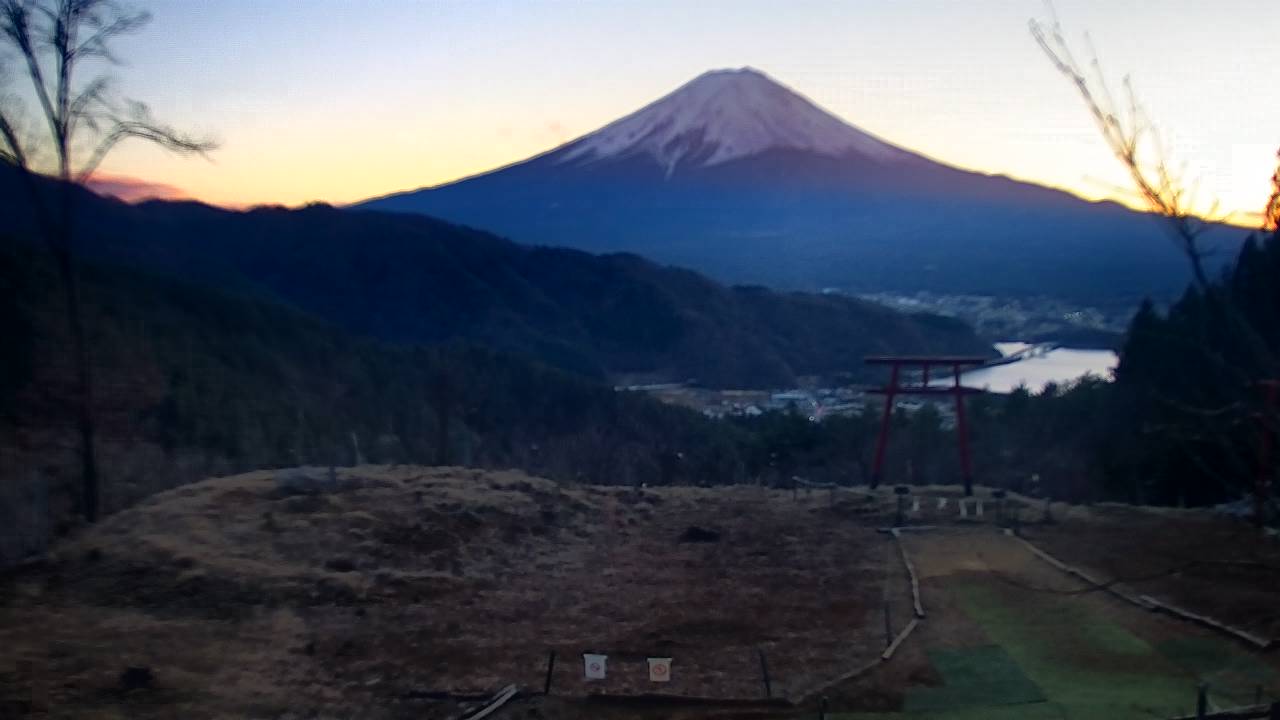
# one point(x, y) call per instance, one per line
point(660, 669)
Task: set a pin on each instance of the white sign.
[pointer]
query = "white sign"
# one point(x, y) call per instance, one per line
point(594, 665)
point(660, 669)
point(942, 502)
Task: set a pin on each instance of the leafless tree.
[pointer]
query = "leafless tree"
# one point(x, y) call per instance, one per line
point(51, 41)
point(1136, 144)
point(1134, 141)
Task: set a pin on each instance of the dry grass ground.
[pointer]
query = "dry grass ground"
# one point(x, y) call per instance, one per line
point(1208, 564)
point(245, 601)
point(371, 598)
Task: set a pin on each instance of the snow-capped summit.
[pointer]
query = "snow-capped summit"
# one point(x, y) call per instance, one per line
point(745, 179)
point(722, 115)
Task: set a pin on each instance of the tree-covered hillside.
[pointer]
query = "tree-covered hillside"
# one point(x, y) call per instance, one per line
point(1185, 420)
point(193, 381)
point(1190, 381)
point(413, 279)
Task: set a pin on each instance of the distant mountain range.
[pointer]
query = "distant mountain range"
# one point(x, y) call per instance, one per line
point(739, 177)
point(410, 279)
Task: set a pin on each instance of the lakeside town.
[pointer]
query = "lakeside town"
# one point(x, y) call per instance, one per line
point(1033, 318)
point(816, 403)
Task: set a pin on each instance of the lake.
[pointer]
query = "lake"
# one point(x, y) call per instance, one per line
point(1040, 368)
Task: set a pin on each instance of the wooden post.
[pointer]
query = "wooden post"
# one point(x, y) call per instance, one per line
point(764, 674)
point(496, 703)
point(551, 666)
point(822, 709)
point(1202, 701)
point(888, 626)
point(962, 434)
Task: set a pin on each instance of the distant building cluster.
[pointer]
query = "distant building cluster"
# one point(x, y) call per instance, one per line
point(1006, 317)
point(816, 404)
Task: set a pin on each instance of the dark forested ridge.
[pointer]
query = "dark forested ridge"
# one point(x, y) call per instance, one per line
point(193, 381)
point(412, 279)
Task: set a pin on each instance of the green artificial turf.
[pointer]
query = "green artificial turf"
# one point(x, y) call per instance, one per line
point(1035, 711)
point(974, 677)
point(1054, 659)
point(1086, 664)
point(1233, 675)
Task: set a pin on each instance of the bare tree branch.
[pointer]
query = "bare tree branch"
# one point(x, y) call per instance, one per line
point(15, 25)
point(53, 28)
point(142, 127)
point(1216, 426)
point(122, 23)
point(1125, 134)
point(80, 109)
point(47, 36)
point(11, 152)
point(1159, 185)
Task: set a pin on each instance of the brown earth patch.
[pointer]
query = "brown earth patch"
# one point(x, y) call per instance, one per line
point(244, 600)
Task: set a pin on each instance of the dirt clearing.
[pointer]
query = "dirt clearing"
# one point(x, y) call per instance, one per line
point(375, 590)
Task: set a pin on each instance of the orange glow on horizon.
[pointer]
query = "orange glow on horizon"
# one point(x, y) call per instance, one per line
point(368, 99)
point(293, 187)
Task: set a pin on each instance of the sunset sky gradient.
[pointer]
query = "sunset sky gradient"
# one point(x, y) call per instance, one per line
point(339, 101)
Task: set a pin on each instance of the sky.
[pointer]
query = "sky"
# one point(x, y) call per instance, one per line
point(338, 101)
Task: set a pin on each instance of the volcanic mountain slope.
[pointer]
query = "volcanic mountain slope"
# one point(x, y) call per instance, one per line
point(740, 177)
point(723, 116)
point(410, 279)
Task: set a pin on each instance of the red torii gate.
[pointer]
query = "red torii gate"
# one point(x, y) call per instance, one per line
point(893, 389)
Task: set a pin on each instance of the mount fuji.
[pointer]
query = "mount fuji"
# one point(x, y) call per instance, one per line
point(742, 178)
